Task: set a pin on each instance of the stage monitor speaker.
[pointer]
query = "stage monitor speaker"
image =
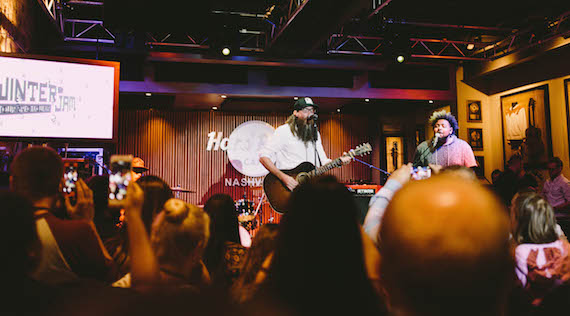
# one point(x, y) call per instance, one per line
point(362, 194)
point(362, 205)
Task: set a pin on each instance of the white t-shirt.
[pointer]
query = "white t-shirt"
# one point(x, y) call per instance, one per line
point(516, 123)
point(287, 151)
point(522, 252)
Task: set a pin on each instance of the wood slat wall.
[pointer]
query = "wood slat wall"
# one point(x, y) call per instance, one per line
point(173, 146)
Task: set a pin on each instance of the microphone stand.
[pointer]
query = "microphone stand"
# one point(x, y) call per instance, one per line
point(100, 165)
point(315, 143)
point(371, 166)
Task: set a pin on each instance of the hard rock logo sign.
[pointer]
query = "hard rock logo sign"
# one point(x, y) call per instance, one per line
point(242, 148)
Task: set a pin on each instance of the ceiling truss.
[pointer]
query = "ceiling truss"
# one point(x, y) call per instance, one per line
point(92, 30)
point(418, 47)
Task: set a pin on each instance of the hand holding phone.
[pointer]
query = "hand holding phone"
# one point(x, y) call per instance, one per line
point(119, 179)
point(420, 173)
point(70, 180)
point(84, 208)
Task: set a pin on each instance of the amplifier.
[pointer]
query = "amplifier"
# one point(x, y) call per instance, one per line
point(362, 194)
point(363, 189)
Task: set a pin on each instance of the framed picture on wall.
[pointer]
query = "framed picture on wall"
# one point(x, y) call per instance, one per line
point(474, 111)
point(475, 138)
point(394, 152)
point(420, 135)
point(480, 169)
point(526, 126)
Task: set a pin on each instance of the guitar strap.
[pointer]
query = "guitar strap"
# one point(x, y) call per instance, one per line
point(317, 155)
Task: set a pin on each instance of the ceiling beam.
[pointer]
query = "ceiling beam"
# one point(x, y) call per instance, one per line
point(516, 58)
point(260, 91)
point(380, 7)
point(273, 62)
point(310, 25)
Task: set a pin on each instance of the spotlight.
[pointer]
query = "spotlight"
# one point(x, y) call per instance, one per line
point(396, 45)
point(224, 39)
point(470, 46)
point(214, 108)
point(366, 100)
point(430, 101)
point(296, 98)
point(148, 94)
point(223, 96)
point(338, 110)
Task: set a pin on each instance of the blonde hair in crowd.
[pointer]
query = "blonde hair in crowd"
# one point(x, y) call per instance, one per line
point(180, 231)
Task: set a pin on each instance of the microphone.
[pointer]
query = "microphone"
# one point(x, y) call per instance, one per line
point(313, 117)
point(435, 139)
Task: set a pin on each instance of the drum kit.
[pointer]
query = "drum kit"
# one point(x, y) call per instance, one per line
point(249, 214)
point(178, 189)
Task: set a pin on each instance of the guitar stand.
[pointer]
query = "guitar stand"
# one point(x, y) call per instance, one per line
point(260, 203)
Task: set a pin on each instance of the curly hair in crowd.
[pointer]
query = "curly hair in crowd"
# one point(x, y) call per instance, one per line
point(443, 115)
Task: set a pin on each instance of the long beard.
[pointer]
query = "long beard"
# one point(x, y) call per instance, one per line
point(302, 130)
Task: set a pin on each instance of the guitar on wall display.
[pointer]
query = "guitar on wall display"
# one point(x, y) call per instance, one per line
point(278, 194)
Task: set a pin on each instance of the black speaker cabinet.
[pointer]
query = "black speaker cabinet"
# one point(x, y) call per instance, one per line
point(362, 195)
point(362, 205)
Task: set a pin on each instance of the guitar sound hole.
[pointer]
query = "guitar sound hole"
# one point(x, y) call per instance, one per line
point(302, 177)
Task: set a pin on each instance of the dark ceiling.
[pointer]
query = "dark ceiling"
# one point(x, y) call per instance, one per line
point(296, 29)
point(513, 14)
point(306, 32)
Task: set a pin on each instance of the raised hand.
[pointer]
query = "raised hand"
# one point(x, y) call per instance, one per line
point(134, 201)
point(84, 208)
point(402, 174)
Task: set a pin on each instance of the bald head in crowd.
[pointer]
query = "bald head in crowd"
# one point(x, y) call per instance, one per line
point(445, 251)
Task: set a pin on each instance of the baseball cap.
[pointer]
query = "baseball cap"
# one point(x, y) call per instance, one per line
point(303, 103)
point(138, 165)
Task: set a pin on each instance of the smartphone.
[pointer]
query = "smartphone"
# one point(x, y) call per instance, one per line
point(70, 180)
point(119, 179)
point(420, 173)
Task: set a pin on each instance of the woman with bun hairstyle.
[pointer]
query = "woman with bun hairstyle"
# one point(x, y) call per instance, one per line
point(173, 254)
point(179, 235)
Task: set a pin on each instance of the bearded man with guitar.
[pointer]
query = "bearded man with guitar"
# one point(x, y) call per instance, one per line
point(292, 145)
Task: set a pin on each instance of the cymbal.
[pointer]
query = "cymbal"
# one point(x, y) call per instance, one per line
point(177, 189)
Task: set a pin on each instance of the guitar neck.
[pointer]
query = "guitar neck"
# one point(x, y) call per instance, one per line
point(320, 170)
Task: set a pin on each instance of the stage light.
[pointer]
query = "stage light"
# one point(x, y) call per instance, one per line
point(214, 108)
point(223, 96)
point(400, 58)
point(296, 98)
point(366, 100)
point(430, 101)
point(470, 46)
point(224, 39)
point(148, 94)
point(338, 110)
